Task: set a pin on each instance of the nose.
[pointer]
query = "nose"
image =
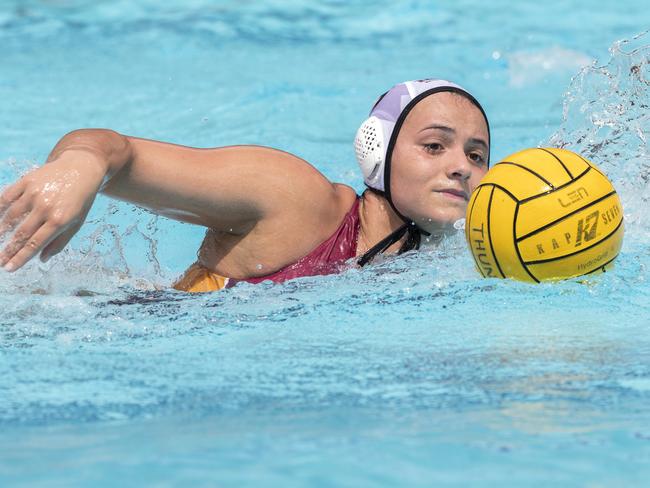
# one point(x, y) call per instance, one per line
point(459, 167)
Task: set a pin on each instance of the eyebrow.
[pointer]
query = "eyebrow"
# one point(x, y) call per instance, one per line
point(450, 130)
point(443, 128)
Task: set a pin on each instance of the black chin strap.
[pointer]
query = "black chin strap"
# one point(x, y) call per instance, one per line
point(413, 240)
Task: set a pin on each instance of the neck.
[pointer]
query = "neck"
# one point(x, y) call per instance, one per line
point(378, 219)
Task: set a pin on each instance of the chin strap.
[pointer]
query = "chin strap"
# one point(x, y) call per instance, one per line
point(413, 239)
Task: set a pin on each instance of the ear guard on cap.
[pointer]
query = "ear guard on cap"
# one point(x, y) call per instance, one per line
point(369, 146)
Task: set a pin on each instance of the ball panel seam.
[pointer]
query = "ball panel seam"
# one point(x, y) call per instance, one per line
point(557, 221)
point(504, 190)
point(468, 226)
point(559, 161)
point(489, 227)
point(514, 237)
point(603, 266)
point(527, 199)
point(521, 166)
point(591, 246)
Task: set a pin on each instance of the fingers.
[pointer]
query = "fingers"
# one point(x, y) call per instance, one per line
point(9, 196)
point(27, 241)
point(12, 217)
point(57, 245)
point(20, 238)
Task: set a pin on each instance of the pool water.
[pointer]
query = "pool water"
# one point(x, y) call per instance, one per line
point(412, 372)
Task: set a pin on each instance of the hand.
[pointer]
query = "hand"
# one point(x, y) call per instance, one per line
point(47, 206)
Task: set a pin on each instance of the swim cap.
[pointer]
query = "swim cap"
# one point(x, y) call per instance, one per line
point(376, 139)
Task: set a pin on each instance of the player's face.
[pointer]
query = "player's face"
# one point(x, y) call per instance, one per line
point(440, 156)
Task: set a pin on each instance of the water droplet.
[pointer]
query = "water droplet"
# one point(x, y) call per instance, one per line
point(496, 55)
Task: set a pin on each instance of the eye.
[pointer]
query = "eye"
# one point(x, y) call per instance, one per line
point(434, 147)
point(477, 158)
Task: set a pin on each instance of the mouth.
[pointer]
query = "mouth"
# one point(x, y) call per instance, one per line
point(454, 194)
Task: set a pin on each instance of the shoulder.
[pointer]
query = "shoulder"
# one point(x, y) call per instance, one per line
point(302, 209)
point(297, 191)
point(312, 211)
point(303, 226)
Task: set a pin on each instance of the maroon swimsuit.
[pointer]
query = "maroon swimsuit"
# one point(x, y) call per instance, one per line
point(327, 258)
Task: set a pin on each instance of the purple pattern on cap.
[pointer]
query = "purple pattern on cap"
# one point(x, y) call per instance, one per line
point(390, 106)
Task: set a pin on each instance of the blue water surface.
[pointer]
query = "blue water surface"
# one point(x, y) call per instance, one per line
point(412, 372)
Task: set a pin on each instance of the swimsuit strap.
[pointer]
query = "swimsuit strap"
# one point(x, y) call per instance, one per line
point(412, 242)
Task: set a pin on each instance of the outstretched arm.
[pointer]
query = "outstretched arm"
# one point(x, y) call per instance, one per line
point(229, 189)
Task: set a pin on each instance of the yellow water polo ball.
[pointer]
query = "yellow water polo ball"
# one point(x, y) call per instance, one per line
point(544, 214)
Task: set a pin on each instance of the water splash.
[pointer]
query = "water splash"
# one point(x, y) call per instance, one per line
point(117, 246)
point(607, 119)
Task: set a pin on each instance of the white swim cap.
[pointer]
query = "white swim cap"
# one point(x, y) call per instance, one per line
point(376, 137)
point(374, 145)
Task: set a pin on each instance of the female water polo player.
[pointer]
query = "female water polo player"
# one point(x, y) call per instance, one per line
point(270, 215)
